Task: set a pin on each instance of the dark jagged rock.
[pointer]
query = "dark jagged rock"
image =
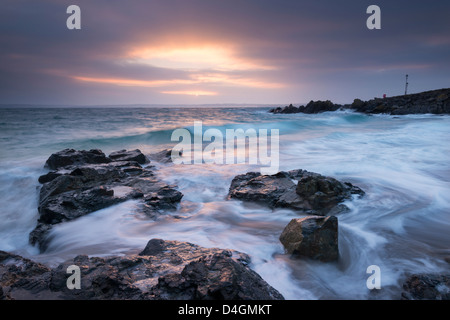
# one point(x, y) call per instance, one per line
point(68, 157)
point(132, 155)
point(78, 188)
point(311, 107)
point(49, 176)
point(435, 102)
point(315, 237)
point(300, 190)
point(163, 270)
point(18, 273)
point(288, 109)
point(427, 287)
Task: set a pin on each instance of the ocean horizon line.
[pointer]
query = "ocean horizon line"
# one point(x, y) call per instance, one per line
point(161, 106)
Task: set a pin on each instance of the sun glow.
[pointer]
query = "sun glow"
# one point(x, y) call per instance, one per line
point(207, 57)
point(202, 66)
point(191, 93)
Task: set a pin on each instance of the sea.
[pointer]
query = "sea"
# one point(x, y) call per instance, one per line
point(401, 225)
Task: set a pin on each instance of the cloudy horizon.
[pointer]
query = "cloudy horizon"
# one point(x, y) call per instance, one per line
point(218, 52)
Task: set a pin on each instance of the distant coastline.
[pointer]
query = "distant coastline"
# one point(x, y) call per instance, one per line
point(434, 102)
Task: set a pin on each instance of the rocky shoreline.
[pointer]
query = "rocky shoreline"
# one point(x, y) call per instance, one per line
point(81, 182)
point(433, 102)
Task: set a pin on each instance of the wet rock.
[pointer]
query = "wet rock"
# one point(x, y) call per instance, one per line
point(49, 176)
point(427, 287)
point(21, 274)
point(214, 277)
point(164, 198)
point(322, 193)
point(132, 155)
point(68, 157)
point(300, 190)
point(315, 237)
point(163, 270)
point(78, 188)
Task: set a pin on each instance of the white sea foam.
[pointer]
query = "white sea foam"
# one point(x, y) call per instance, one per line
point(401, 224)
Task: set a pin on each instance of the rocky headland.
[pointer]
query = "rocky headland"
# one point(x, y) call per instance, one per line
point(433, 102)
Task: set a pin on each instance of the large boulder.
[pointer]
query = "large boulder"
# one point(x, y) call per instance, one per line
point(427, 287)
point(78, 188)
point(314, 237)
point(300, 190)
point(163, 270)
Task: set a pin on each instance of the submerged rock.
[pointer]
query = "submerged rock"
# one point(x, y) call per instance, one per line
point(78, 188)
point(315, 237)
point(427, 287)
point(300, 190)
point(163, 270)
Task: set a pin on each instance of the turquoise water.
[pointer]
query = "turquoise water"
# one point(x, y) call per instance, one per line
point(401, 225)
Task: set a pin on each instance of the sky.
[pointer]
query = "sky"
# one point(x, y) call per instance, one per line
point(219, 51)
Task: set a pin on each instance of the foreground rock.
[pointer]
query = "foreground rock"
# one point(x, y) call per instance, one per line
point(427, 287)
point(86, 181)
point(311, 107)
point(315, 237)
point(163, 270)
point(435, 102)
point(300, 190)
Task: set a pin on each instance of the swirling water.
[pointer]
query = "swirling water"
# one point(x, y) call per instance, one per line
point(402, 224)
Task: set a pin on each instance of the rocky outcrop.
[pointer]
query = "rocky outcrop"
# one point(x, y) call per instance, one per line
point(304, 191)
point(311, 107)
point(163, 270)
point(435, 102)
point(286, 110)
point(427, 287)
point(86, 181)
point(314, 237)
